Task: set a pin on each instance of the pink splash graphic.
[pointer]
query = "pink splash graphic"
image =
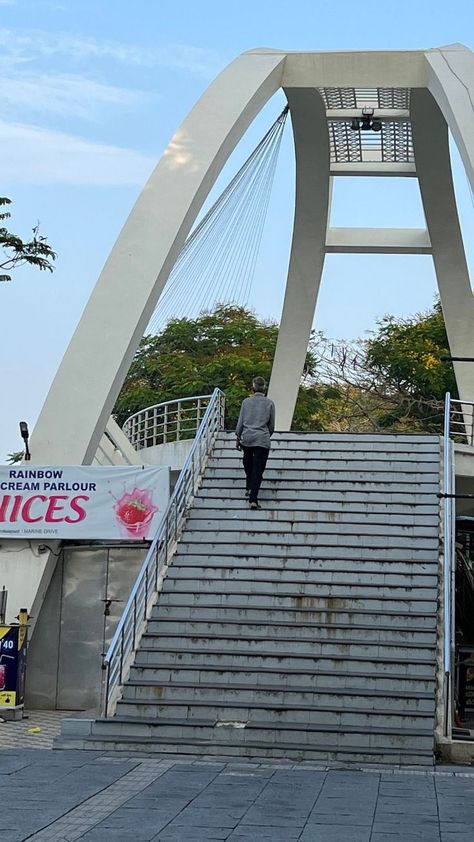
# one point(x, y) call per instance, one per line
point(135, 511)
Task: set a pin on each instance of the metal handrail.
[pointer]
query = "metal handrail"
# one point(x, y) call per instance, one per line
point(169, 421)
point(448, 568)
point(458, 424)
point(137, 611)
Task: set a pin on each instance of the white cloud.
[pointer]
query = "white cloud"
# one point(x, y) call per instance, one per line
point(26, 46)
point(63, 95)
point(35, 155)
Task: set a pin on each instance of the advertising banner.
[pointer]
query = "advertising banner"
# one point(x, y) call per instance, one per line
point(12, 665)
point(81, 502)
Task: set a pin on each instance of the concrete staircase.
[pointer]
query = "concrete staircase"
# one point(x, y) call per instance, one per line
point(307, 629)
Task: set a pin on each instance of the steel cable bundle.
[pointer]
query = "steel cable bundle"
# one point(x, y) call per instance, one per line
point(217, 262)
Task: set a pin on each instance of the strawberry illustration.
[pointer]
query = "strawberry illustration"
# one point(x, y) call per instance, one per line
point(135, 511)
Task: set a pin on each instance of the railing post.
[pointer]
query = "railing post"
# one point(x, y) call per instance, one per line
point(107, 684)
point(121, 659)
point(448, 590)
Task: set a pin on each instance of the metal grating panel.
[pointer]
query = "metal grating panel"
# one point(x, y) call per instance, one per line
point(365, 97)
point(394, 144)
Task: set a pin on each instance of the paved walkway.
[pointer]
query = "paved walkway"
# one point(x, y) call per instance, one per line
point(70, 795)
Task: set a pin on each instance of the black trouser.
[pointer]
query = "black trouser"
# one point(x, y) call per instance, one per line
point(255, 459)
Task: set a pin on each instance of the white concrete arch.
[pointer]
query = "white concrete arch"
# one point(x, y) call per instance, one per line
point(95, 364)
point(433, 166)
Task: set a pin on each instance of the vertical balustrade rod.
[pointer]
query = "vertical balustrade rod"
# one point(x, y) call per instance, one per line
point(121, 659)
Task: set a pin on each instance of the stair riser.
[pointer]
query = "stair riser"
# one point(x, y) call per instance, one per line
point(303, 493)
point(245, 714)
point(312, 550)
point(344, 683)
point(248, 697)
point(342, 663)
point(223, 734)
point(323, 755)
point(405, 517)
point(343, 462)
point(325, 615)
point(315, 603)
point(279, 540)
point(297, 478)
point(419, 585)
point(227, 585)
point(296, 508)
point(367, 441)
point(277, 530)
point(287, 649)
point(425, 571)
point(292, 632)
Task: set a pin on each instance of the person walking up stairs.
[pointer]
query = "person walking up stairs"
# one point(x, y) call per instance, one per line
point(255, 426)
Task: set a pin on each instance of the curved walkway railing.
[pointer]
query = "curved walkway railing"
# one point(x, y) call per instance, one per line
point(166, 422)
point(120, 653)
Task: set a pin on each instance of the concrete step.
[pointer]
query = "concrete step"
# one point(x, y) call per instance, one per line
point(301, 631)
point(234, 571)
point(294, 678)
point(281, 647)
point(189, 579)
point(311, 551)
point(296, 613)
point(364, 566)
point(282, 714)
point(286, 698)
point(277, 540)
point(327, 754)
point(330, 513)
point(265, 733)
point(285, 495)
point(349, 462)
point(341, 477)
point(314, 595)
point(277, 528)
point(369, 440)
point(267, 660)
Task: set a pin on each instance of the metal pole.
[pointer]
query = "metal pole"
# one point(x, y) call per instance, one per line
point(447, 565)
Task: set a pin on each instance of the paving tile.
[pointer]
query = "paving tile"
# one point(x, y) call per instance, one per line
point(257, 833)
point(335, 833)
point(189, 834)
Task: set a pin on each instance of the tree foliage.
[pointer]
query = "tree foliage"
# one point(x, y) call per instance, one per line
point(16, 252)
point(392, 381)
point(226, 349)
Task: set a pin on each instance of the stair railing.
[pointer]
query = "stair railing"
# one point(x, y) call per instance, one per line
point(170, 421)
point(449, 566)
point(119, 656)
point(459, 427)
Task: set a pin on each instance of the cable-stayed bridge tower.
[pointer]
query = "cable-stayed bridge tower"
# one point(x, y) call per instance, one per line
point(412, 98)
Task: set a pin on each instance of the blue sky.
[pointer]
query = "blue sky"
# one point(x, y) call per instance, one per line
point(92, 90)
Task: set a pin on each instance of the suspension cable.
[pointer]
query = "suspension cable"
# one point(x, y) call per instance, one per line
point(218, 260)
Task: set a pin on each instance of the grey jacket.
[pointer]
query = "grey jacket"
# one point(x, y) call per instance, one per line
point(256, 421)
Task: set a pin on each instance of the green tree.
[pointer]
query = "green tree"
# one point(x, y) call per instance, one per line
point(392, 381)
point(395, 380)
point(226, 348)
point(16, 252)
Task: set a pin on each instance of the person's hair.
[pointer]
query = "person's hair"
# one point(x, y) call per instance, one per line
point(258, 384)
